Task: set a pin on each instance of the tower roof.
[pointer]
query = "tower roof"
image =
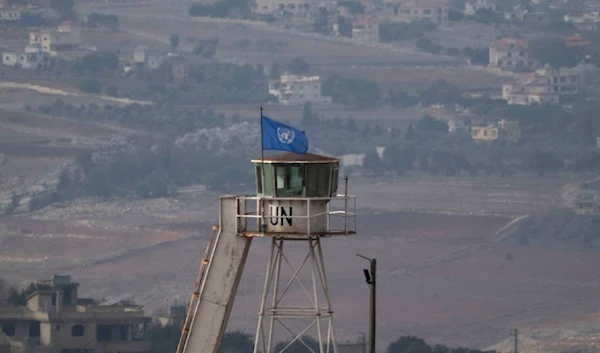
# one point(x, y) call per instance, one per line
point(290, 157)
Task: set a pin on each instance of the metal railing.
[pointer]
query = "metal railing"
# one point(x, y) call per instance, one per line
point(251, 218)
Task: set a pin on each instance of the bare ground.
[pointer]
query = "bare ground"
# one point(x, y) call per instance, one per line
point(442, 275)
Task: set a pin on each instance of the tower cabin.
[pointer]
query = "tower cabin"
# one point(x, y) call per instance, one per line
point(295, 194)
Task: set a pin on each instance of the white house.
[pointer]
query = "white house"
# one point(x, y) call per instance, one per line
point(587, 21)
point(511, 53)
point(435, 11)
point(472, 6)
point(293, 89)
point(10, 15)
point(532, 88)
point(30, 58)
point(67, 37)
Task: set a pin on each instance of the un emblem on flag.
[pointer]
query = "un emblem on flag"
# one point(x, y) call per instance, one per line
point(285, 135)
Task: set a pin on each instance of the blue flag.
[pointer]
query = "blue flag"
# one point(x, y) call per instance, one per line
point(281, 137)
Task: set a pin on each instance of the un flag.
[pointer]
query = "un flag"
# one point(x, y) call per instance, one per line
point(282, 137)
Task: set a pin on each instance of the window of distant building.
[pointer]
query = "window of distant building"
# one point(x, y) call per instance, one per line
point(77, 331)
point(8, 329)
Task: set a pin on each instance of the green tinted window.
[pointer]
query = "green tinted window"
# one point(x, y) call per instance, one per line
point(334, 179)
point(289, 180)
point(259, 179)
point(317, 183)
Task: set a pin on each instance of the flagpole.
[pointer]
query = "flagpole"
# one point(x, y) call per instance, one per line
point(262, 169)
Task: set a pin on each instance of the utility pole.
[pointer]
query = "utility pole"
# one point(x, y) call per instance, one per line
point(516, 340)
point(371, 278)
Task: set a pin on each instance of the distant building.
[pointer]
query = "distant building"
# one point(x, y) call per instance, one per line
point(529, 90)
point(279, 7)
point(435, 11)
point(511, 53)
point(142, 58)
point(67, 37)
point(459, 123)
point(534, 18)
point(472, 6)
point(56, 320)
point(545, 86)
point(175, 316)
point(484, 133)
point(365, 29)
point(10, 17)
point(585, 203)
point(506, 131)
point(293, 89)
point(140, 55)
point(30, 58)
point(565, 81)
point(587, 21)
point(577, 41)
point(509, 131)
point(178, 67)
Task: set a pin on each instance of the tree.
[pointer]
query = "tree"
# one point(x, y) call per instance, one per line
point(373, 164)
point(297, 66)
point(399, 159)
point(322, 22)
point(352, 91)
point(5, 292)
point(442, 92)
point(307, 115)
point(366, 131)
point(409, 344)
point(174, 40)
point(477, 56)
point(541, 162)
point(351, 124)
point(410, 133)
point(90, 86)
point(377, 130)
point(97, 62)
point(96, 19)
point(32, 20)
point(236, 342)
point(430, 124)
point(454, 15)
point(274, 72)
point(554, 51)
point(15, 201)
point(112, 91)
point(63, 181)
point(64, 8)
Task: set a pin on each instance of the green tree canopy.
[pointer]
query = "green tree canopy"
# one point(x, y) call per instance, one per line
point(430, 124)
point(297, 66)
point(174, 40)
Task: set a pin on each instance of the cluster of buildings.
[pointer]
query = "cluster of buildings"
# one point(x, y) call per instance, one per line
point(66, 37)
point(143, 59)
point(435, 11)
point(585, 21)
point(364, 26)
point(506, 131)
point(544, 86)
point(56, 320)
point(43, 45)
point(511, 53)
point(539, 84)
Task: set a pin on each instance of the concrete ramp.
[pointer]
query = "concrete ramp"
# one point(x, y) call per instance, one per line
point(219, 282)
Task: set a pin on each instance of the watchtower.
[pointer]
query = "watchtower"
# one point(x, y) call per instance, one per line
point(297, 204)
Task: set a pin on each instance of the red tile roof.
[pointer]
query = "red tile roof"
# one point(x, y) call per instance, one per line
point(510, 43)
